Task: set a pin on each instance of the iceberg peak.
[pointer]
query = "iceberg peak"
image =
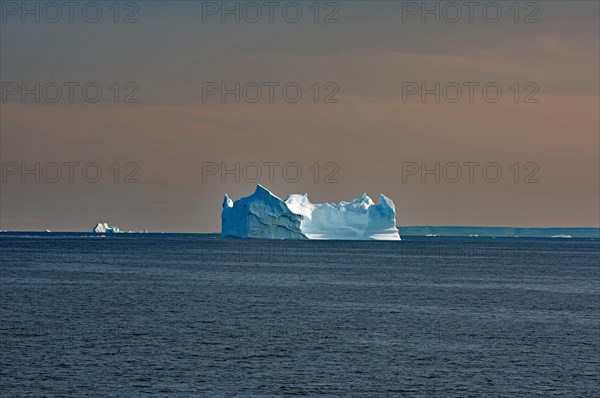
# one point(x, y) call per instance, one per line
point(260, 190)
point(227, 202)
point(387, 202)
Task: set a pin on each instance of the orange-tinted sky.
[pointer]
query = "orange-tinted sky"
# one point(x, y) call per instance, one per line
point(545, 142)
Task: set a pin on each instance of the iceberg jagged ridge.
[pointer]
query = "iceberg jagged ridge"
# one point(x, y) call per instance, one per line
point(264, 215)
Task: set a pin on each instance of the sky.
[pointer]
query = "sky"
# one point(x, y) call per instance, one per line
point(146, 115)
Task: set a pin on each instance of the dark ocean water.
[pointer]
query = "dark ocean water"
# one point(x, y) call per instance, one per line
point(195, 315)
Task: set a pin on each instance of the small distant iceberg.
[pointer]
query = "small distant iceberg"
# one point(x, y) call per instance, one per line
point(264, 215)
point(104, 228)
point(562, 236)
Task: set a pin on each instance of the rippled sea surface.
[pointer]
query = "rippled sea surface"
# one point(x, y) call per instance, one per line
point(195, 315)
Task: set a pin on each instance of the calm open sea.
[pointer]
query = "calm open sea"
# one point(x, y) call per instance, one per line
point(195, 315)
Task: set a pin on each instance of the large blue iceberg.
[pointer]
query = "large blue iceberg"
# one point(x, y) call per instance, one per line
point(264, 215)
